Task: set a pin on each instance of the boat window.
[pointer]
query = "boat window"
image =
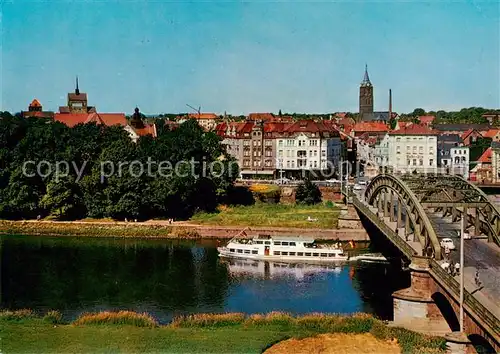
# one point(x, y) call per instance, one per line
point(268, 242)
point(292, 243)
point(331, 255)
point(277, 243)
point(239, 251)
point(300, 254)
point(308, 254)
point(247, 251)
point(231, 250)
point(284, 243)
point(284, 253)
point(277, 253)
point(315, 254)
point(323, 255)
point(254, 252)
point(292, 253)
point(260, 242)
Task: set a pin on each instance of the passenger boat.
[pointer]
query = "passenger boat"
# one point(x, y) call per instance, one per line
point(286, 249)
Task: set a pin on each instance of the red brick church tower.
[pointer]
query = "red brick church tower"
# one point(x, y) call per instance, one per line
point(366, 97)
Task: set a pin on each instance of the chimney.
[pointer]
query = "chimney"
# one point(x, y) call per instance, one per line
point(390, 104)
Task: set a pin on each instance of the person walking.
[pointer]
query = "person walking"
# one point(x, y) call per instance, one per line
point(476, 279)
point(457, 268)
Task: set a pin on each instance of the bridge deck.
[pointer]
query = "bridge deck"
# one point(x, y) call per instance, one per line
point(478, 254)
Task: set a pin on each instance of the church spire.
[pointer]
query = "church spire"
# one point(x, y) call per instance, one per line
point(366, 78)
point(77, 90)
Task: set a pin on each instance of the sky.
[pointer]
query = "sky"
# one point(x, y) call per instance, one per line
point(255, 56)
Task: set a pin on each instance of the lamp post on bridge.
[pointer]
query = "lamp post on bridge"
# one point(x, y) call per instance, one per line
point(462, 232)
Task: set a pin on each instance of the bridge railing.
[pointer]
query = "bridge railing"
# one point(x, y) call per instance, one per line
point(391, 235)
point(477, 308)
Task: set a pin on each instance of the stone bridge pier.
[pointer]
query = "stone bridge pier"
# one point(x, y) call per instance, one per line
point(427, 307)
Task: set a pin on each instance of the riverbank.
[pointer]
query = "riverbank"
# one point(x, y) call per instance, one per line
point(164, 229)
point(128, 332)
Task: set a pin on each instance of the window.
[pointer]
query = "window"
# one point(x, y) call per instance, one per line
point(431, 162)
point(239, 251)
point(331, 254)
point(398, 149)
point(398, 139)
point(414, 162)
point(247, 251)
point(408, 162)
point(284, 243)
point(268, 153)
point(276, 253)
point(268, 242)
point(284, 253)
point(308, 254)
point(323, 153)
point(313, 142)
point(408, 148)
point(280, 143)
point(421, 162)
point(280, 153)
point(277, 243)
point(323, 255)
point(300, 254)
point(315, 254)
point(260, 242)
point(414, 149)
point(246, 142)
point(254, 252)
point(231, 250)
point(421, 150)
point(310, 153)
point(291, 254)
point(315, 153)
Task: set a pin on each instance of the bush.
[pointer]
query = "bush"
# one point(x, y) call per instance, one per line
point(308, 193)
point(116, 318)
point(17, 315)
point(209, 320)
point(53, 317)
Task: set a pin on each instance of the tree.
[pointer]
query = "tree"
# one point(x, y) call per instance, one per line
point(308, 193)
point(418, 112)
point(279, 113)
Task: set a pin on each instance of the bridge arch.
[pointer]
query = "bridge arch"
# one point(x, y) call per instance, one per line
point(414, 211)
point(481, 344)
point(447, 311)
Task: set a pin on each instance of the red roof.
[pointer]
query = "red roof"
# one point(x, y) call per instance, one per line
point(414, 129)
point(35, 103)
point(72, 119)
point(149, 129)
point(486, 156)
point(491, 133)
point(362, 127)
point(260, 116)
point(346, 121)
point(426, 119)
point(203, 116)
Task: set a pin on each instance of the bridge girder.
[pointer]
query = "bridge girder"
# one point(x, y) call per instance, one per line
point(445, 191)
point(414, 210)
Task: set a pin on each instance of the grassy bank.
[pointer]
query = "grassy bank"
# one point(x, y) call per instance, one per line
point(93, 229)
point(274, 215)
point(230, 333)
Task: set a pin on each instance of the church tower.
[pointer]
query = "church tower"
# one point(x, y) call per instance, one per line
point(365, 97)
point(77, 102)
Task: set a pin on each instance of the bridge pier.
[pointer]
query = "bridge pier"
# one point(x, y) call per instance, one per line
point(414, 307)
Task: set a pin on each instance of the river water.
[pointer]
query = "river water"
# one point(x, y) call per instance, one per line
point(167, 278)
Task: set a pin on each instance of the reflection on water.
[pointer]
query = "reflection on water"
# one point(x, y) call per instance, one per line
point(167, 278)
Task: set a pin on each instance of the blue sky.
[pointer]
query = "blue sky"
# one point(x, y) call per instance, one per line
point(251, 56)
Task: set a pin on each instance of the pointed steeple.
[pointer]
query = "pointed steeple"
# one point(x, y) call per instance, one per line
point(366, 78)
point(77, 90)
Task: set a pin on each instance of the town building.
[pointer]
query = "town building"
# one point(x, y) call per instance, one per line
point(413, 148)
point(35, 109)
point(460, 161)
point(445, 143)
point(482, 172)
point(426, 120)
point(207, 121)
point(137, 127)
point(77, 102)
point(280, 149)
point(495, 162)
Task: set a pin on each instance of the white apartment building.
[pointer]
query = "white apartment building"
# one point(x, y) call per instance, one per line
point(459, 156)
point(413, 149)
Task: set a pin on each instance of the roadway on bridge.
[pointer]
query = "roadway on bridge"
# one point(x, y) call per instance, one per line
point(478, 254)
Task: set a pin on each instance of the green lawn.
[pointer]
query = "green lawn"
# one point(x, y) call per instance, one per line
point(22, 332)
point(44, 338)
point(278, 215)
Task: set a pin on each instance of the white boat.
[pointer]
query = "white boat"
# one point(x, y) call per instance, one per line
point(282, 249)
point(370, 258)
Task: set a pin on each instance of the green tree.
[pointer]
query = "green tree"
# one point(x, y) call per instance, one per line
point(418, 112)
point(63, 199)
point(308, 193)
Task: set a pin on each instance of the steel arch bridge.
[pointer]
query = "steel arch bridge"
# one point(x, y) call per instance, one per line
point(410, 196)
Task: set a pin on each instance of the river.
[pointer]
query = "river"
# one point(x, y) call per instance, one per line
point(167, 278)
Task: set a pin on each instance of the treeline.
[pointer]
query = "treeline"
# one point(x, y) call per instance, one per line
point(472, 115)
point(32, 149)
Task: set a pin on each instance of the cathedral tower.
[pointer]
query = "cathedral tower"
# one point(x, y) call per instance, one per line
point(365, 97)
